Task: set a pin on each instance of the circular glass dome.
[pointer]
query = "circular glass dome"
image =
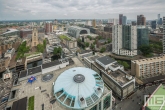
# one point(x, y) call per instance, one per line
point(47, 77)
point(78, 88)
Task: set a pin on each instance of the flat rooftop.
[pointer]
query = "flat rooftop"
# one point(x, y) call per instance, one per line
point(30, 71)
point(20, 104)
point(106, 60)
point(120, 77)
point(150, 60)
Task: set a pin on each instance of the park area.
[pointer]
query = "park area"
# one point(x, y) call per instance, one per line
point(31, 103)
point(63, 37)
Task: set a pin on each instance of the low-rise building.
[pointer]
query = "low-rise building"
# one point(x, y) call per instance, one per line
point(4, 62)
point(10, 53)
point(148, 67)
point(11, 32)
point(113, 74)
point(70, 42)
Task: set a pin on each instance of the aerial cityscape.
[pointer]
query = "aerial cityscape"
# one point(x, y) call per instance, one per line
point(82, 55)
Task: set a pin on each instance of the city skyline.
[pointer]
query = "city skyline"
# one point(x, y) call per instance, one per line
point(76, 9)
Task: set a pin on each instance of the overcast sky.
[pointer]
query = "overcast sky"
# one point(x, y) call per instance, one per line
point(79, 9)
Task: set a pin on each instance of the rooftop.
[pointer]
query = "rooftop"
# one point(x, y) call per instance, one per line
point(78, 87)
point(149, 60)
point(106, 60)
point(10, 31)
point(20, 104)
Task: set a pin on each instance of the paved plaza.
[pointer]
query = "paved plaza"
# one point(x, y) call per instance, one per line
point(27, 90)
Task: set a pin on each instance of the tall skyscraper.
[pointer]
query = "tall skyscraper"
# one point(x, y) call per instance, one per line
point(164, 35)
point(158, 16)
point(124, 20)
point(124, 40)
point(94, 23)
point(141, 20)
point(153, 24)
point(48, 27)
point(116, 38)
point(160, 21)
point(120, 19)
point(142, 36)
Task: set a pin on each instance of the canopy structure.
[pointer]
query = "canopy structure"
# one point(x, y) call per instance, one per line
point(31, 79)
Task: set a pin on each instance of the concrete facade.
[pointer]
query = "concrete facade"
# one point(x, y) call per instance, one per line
point(124, 40)
point(148, 67)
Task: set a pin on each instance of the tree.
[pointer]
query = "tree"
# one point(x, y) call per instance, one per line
point(102, 49)
point(145, 49)
point(57, 51)
point(86, 44)
point(44, 43)
point(109, 40)
point(40, 48)
point(89, 37)
point(125, 64)
point(92, 46)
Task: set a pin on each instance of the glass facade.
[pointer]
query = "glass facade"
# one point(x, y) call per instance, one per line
point(94, 108)
point(126, 34)
point(142, 37)
point(107, 102)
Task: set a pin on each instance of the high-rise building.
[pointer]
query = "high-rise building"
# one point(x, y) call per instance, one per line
point(142, 36)
point(94, 23)
point(160, 21)
point(164, 35)
point(141, 20)
point(124, 40)
point(120, 19)
point(116, 38)
point(113, 21)
point(48, 27)
point(158, 17)
point(153, 24)
point(124, 20)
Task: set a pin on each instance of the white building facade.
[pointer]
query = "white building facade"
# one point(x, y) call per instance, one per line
point(124, 40)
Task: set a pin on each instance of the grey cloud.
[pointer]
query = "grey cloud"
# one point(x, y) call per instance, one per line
point(80, 8)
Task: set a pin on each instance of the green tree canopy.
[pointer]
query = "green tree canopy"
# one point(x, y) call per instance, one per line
point(145, 49)
point(86, 44)
point(109, 40)
point(57, 51)
point(92, 46)
point(102, 49)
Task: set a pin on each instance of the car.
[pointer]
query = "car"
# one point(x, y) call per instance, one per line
point(4, 99)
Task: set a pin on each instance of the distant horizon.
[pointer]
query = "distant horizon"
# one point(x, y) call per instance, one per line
point(69, 19)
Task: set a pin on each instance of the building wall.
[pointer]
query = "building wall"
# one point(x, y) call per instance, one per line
point(164, 35)
point(53, 68)
point(34, 37)
point(48, 27)
point(141, 20)
point(142, 36)
point(4, 62)
point(148, 67)
point(120, 19)
point(116, 38)
point(24, 34)
point(153, 24)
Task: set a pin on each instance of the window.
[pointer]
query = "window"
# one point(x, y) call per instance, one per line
point(34, 34)
point(107, 102)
